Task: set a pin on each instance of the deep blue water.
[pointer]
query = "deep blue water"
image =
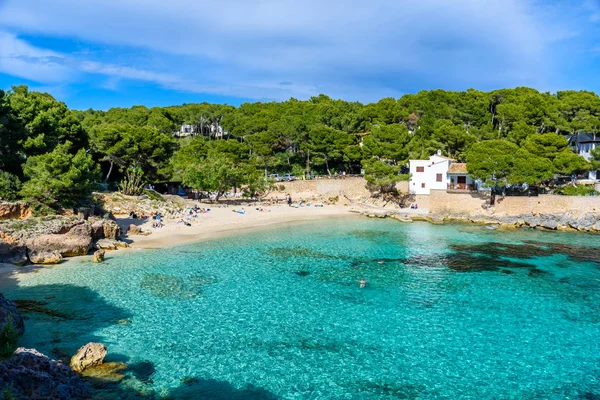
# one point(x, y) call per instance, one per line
point(449, 312)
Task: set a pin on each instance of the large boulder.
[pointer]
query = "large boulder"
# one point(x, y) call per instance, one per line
point(12, 252)
point(46, 257)
point(67, 245)
point(134, 230)
point(106, 229)
point(31, 375)
point(98, 256)
point(106, 244)
point(90, 355)
point(9, 308)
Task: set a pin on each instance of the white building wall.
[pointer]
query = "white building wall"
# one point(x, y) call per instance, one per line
point(423, 182)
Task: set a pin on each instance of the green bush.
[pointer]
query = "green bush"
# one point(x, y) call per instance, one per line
point(9, 338)
point(153, 195)
point(9, 186)
point(579, 190)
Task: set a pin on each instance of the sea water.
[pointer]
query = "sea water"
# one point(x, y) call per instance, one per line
point(448, 312)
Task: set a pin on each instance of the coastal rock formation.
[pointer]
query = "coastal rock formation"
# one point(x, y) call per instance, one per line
point(134, 230)
point(98, 256)
point(12, 252)
point(107, 229)
point(16, 210)
point(29, 374)
point(77, 242)
point(106, 244)
point(90, 355)
point(43, 257)
point(9, 308)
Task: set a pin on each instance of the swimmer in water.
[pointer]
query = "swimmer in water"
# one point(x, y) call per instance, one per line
point(363, 283)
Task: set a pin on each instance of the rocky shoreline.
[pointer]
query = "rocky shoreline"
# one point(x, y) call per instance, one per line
point(553, 222)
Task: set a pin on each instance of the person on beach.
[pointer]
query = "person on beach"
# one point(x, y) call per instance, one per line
point(363, 283)
point(289, 201)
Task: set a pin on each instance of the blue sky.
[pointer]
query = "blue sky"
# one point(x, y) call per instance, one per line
point(118, 53)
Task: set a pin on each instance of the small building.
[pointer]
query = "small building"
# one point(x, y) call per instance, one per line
point(583, 143)
point(429, 174)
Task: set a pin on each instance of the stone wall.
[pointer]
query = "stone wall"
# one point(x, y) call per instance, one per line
point(444, 203)
point(351, 188)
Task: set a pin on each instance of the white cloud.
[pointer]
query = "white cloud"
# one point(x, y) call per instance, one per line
point(356, 49)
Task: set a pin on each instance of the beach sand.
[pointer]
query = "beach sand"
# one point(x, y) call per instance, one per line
point(220, 221)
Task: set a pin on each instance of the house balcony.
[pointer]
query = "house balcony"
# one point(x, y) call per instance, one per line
point(461, 187)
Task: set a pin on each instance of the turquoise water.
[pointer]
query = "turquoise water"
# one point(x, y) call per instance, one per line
point(449, 312)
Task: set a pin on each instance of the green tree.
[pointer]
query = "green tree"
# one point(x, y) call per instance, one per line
point(569, 163)
point(491, 160)
point(60, 178)
point(547, 145)
point(9, 186)
point(530, 168)
point(216, 174)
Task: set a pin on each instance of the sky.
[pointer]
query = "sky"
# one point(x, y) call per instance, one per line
point(118, 53)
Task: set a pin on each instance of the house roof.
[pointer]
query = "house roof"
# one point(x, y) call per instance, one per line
point(444, 157)
point(458, 168)
point(581, 137)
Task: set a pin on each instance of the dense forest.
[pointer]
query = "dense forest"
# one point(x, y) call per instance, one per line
point(53, 157)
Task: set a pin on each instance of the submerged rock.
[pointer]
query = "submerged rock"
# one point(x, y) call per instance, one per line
point(110, 371)
point(90, 355)
point(9, 308)
point(29, 374)
point(98, 256)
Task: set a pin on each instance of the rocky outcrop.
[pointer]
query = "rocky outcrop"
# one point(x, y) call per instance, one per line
point(16, 210)
point(9, 308)
point(98, 256)
point(29, 374)
point(12, 252)
point(77, 242)
point(106, 229)
point(134, 230)
point(42, 257)
point(106, 244)
point(88, 356)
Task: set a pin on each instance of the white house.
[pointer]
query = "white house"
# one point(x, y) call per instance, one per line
point(429, 174)
point(439, 173)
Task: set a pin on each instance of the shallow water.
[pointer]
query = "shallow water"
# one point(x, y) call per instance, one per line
point(450, 312)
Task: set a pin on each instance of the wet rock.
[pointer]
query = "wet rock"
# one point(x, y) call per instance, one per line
point(90, 355)
point(32, 375)
point(98, 256)
point(110, 371)
point(121, 244)
point(9, 308)
point(46, 257)
point(12, 253)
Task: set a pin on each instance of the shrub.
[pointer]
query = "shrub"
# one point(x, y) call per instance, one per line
point(9, 338)
point(9, 186)
point(133, 182)
point(153, 195)
point(579, 190)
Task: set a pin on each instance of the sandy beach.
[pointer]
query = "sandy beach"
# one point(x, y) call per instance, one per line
point(220, 221)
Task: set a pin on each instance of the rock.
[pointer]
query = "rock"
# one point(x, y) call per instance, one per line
point(121, 244)
point(112, 230)
point(12, 253)
point(68, 245)
point(134, 230)
point(7, 308)
point(596, 226)
point(32, 375)
point(106, 244)
point(110, 371)
point(97, 230)
point(98, 256)
point(90, 355)
point(16, 210)
point(549, 224)
point(46, 257)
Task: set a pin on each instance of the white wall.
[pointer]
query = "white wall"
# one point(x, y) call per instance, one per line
point(435, 165)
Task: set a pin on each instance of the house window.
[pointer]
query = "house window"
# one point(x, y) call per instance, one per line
point(438, 177)
point(423, 185)
point(420, 169)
